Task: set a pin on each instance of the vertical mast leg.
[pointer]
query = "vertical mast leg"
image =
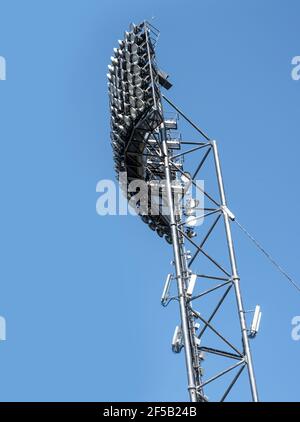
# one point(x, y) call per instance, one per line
point(236, 279)
point(179, 273)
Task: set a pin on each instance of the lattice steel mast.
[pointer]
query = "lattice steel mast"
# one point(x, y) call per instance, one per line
point(144, 142)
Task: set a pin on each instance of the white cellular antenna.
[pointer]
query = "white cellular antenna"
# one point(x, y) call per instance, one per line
point(191, 285)
point(177, 342)
point(255, 322)
point(165, 293)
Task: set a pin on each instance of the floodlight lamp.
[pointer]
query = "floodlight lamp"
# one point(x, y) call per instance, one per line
point(140, 104)
point(131, 89)
point(133, 113)
point(128, 67)
point(152, 226)
point(111, 68)
point(127, 120)
point(134, 69)
point(137, 28)
point(124, 74)
point(137, 92)
point(128, 55)
point(123, 67)
point(160, 231)
point(119, 139)
point(125, 85)
point(126, 98)
point(126, 108)
point(137, 103)
point(134, 48)
point(145, 219)
point(120, 92)
point(132, 101)
point(114, 60)
point(134, 58)
point(128, 46)
point(116, 145)
point(139, 39)
point(169, 239)
point(118, 52)
point(120, 127)
point(113, 109)
point(135, 80)
point(120, 104)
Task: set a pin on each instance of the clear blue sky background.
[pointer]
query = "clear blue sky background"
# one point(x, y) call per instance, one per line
point(81, 292)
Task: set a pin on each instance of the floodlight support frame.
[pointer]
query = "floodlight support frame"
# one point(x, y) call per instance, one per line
point(181, 265)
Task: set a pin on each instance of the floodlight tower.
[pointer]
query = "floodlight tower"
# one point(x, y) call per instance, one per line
point(148, 149)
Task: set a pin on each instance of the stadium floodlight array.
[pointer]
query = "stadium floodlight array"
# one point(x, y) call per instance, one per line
point(147, 148)
point(136, 114)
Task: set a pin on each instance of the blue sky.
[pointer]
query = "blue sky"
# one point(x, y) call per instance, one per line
point(80, 292)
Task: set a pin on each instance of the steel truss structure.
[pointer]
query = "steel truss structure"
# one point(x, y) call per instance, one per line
point(147, 147)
